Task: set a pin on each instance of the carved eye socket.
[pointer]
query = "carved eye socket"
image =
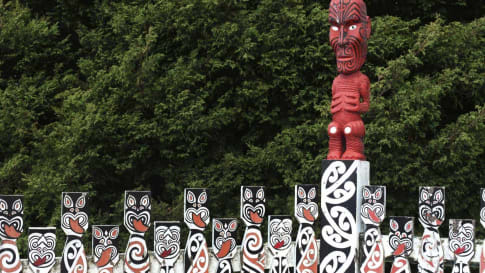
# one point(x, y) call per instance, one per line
point(301, 193)
point(366, 193)
point(393, 225)
point(217, 225)
point(247, 194)
point(145, 201)
point(353, 27)
point(233, 226)
point(17, 205)
point(81, 201)
point(312, 193)
point(202, 198)
point(97, 233)
point(334, 28)
point(68, 201)
point(260, 194)
point(409, 226)
point(3, 205)
point(377, 194)
point(190, 197)
point(113, 233)
point(130, 201)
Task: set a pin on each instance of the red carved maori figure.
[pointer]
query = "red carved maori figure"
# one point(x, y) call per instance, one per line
point(350, 27)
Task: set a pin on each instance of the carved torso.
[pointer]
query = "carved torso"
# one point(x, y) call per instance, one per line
point(347, 91)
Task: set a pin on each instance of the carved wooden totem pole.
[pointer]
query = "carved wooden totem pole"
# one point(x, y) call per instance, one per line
point(252, 214)
point(74, 222)
point(167, 244)
point(138, 208)
point(401, 242)
point(196, 217)
point(372, 213)
point(431, 215)
point(11, 227)
point(224, 242)
point(42, 244)
point(105, 247)
point(462, 243)
point(279, 242)
point(306, 212)
point(344, 173)
point(482, 221)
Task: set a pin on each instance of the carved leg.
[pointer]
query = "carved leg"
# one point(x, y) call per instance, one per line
point(335, 145)
point(354, 146)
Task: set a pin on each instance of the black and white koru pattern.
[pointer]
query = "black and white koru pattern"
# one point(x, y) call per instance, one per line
point(462, 243)
point(74, 222)
point(431, 215)
point(372, 213)
point(224, 242)
point(279, 242)
point(401, 242)
point(42, 243)
point(167, 244)
point(105, 247)
point(138, 207)
point(252, 213)
point(11, 227)
point(306, 212)
point(196, 217)
point(339, 234)
point(482, 221)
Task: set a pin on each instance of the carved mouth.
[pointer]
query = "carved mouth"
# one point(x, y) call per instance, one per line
point(40, 261)
point(75, 226)
point(139, 225)
point(166, 253)
point(399, 250)
point(279, 244)
point(11, 231)
point(459, 250)
point(198, 220)
point(105, 257)
point(373, 215)
point(225, 248)
point(255, 217)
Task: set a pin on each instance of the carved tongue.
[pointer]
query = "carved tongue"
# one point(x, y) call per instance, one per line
point(75, 226)
point(139, 226)
point(165, 253)
point(105, 257)
point(198, 220)
point(255, 217)
point(373, 215)
point(399, 250)
point(226, 246)
point(279, 244)
point(459, 250)
point(308, 215)
point(11, 231)
point(40, 261)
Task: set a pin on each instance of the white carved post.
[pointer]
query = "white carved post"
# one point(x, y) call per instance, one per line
point(341, 186)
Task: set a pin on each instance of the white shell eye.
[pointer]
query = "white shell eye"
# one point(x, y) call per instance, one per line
point(352, 27)
point(334, 28)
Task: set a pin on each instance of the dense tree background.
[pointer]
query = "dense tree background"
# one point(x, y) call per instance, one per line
point(108, 96)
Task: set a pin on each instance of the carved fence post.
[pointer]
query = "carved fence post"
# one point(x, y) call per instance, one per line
point(462, 243)
point(431, 215)
point(74, 222)
point(306, 212)
point(482, 221)
point(167, 244)
point(252, 214)
point(401, 242)
point(196, 217)
point(279, 242)
point(372, 213)
point(11, 227)
point(137, 211)
point(224, 242)
point(341, 187)
point(42, 244)
point(105, 247)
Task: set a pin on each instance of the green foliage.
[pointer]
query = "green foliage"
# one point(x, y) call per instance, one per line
point(162, 95)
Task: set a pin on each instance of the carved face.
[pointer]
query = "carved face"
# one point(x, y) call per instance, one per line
point(306, 209)
point(196, 211)
point(138, 206)
point(279, 233)
point(462, 237)
point(431, 206)
point(42, 242)
point(167, 241)
point(373, 209)
point(252, 205)
point(74, 217)
point(350, 29)
point(401, 236)
point(11, 216)
point(482, 206)
point(224, 237)
point(105, 242)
